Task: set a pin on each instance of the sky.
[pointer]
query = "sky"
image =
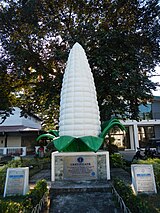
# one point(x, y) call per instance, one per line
point(156, 79)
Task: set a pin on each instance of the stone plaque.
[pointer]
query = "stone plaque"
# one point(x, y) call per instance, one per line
point(80, 167)
point(16, 181)
point(143, 178)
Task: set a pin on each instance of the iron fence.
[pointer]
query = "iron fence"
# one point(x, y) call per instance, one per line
point(124, 208)
point(41, 205)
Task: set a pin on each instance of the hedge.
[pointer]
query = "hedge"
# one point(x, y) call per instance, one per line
point(27, 202)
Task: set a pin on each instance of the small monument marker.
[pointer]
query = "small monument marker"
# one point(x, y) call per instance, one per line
point(17, 181)
point(143, 179)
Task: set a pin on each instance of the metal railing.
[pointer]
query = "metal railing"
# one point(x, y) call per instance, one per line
point(42, 203)
point(124, 208)
point(19, 151)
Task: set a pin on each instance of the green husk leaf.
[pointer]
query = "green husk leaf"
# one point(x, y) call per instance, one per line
point(54, 132)
point(110, 126)
point(92, 142)
point(47, 135)
point(71, 144)
point(106, 123)
point(63, 142)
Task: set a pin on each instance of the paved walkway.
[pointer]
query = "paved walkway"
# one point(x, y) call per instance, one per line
point(43, 174)
point(82, 196)
point(84, 202)
point(128, 154)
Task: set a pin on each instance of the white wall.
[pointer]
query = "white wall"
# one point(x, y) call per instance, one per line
point(13, 141)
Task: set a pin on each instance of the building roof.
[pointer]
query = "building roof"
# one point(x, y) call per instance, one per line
point(15, 120)
point(19, 128)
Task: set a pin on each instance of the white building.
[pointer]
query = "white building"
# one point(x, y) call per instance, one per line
point(18, 134)
point(139, 133)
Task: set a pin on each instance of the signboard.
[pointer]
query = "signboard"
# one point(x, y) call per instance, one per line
point(17, 181)
point(80, 167)
point(143, 179)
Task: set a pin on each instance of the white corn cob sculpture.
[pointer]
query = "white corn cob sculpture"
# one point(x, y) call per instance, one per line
point(79, 111)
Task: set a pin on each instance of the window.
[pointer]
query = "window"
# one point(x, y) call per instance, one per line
point(144, 134)
point(145, 112)
point(121, 138)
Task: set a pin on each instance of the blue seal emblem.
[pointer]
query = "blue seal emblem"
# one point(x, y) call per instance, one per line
point(93, 174)
point(80, 160)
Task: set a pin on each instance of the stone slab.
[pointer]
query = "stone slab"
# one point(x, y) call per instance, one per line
point(97, 166)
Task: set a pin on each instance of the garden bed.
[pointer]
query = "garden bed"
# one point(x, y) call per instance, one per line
point(121, 177)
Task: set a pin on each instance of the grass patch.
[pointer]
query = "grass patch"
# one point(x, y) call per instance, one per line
point(153, 200)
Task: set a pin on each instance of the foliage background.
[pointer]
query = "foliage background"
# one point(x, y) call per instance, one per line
point(121, 40)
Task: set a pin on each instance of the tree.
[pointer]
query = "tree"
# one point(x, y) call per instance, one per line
point(7, 96)
point(37, 72)
point(122, 48)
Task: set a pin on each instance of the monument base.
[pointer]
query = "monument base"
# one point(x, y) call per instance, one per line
point(80, 166)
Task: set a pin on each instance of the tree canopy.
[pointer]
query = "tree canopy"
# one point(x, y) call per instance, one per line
point(120, 37)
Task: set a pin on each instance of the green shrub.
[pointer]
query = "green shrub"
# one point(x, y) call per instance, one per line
point(27, 203)
point(14, 164)
point(35, 195)
point(133, 202)
point(2, 178)
point(10, 207)
point(111, 148)
point(117, 161)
